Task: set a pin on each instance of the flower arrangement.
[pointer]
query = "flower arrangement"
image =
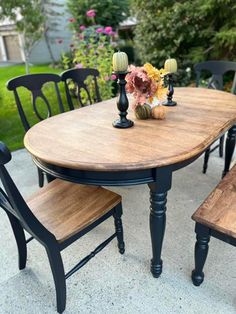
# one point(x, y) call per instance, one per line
point(146, 83)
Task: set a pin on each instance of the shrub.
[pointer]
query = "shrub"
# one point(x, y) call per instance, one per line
point(191, 31)
point(93, 48)
point(108, 12)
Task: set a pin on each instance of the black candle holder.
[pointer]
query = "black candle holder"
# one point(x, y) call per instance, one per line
point(122, 103)
point(169, 101)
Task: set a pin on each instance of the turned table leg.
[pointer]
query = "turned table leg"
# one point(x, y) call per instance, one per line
point(158, 199)
point(229, 148)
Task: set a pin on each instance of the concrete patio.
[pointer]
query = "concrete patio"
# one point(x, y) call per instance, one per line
point(112, 283)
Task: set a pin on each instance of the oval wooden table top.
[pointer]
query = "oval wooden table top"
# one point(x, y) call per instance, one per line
point(85, 138)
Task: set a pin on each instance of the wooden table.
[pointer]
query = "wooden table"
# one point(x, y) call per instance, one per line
point(83, 147)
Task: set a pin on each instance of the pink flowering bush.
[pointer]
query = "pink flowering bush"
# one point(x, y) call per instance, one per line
point(93, 47)
point(105, 12)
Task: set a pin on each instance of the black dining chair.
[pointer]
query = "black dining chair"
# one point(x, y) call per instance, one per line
point(57, 215)
point(35, 83)
point(217, 70)
point(79, 77)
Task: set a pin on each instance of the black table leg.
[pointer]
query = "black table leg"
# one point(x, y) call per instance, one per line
point(158, 199)
point(229, 148)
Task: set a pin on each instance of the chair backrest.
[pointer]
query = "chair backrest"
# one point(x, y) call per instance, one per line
point(34, 83)
point(79, 77)
point(14, 204)
point(217, 70)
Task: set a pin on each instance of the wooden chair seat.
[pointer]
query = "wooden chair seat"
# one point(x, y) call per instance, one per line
point(65, 208)
point(218, 211)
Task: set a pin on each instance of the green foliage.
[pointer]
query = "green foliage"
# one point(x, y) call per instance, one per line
point(93, 50)
point(108, 12)
point(190, 31)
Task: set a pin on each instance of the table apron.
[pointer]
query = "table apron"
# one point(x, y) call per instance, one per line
point(108, 178)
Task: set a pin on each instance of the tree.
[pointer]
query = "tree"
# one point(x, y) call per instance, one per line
point(29, 22)
point(191, 31)
point(34, 19)
point(108, 12)
point(50, 11)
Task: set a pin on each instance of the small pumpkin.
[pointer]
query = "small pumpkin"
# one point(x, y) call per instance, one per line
point(143, 112)
point(159, 112)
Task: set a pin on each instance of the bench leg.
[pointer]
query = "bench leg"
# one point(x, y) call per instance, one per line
point(229, 148)
point(201, 250)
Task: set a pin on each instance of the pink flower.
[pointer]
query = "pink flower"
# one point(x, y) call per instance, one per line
point(108, 30)
point(82, 27)
point(72, 20)
point(140, 85)
point(113, 77)
point(107, 78)
point(91, 13)
point(79, 66)
point(59, 41)
point(99, 30)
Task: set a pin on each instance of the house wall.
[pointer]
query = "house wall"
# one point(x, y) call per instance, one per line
point(10, 40)
point(40, 52)
point(10, 49)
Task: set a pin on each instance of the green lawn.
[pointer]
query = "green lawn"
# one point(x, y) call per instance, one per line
point(11, 129)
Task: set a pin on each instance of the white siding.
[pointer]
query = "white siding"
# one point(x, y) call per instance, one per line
point(40, 52)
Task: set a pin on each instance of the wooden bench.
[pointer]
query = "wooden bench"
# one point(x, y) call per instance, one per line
point(215, 217)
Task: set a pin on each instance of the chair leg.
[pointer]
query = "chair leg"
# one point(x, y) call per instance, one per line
point(20, 240)
point(206, 158)
point(49, 178)
point(119, 228)
point(201, 250)
point(40, 177)
point(58, 272)
point(221, 146)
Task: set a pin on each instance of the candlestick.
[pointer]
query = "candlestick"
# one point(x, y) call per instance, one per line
point(122, 104)
point(120, 61)
point(169, 101)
